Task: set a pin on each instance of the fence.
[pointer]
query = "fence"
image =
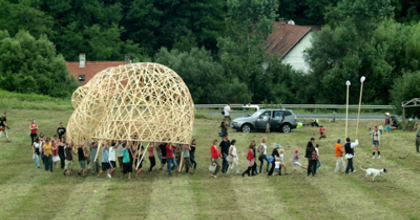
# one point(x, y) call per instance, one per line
point(301, 106)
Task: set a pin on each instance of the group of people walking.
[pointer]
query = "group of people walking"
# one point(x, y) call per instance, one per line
point(58, 152)
point(227, 152)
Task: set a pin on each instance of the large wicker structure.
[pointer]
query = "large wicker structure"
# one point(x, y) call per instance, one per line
point(139, 102)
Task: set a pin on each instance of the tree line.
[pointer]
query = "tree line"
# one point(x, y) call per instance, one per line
point(216, 46)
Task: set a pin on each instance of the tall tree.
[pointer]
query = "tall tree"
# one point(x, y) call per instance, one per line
point(32, 65)
point(348, 51)
point(157, 23)
point(249, 23)
point(203, 76)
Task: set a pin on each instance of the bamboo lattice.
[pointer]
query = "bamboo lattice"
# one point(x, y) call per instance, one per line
point(137, 102)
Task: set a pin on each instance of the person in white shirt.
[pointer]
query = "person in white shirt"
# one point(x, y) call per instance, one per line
point(227, 112)
point(277, 166)
point(263, 154)
point(111, 159)
point(282, 163)
point(233, 158)
point(349, 148)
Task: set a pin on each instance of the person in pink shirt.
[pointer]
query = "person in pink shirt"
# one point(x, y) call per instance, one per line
point(151, 156)
point(215, 154)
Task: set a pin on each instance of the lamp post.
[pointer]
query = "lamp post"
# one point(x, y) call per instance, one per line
point(362, 79)
point(347, 107)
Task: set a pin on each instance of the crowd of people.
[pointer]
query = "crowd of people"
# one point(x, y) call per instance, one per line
point(56, 152)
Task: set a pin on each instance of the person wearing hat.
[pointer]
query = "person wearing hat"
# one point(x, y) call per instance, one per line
point(275, 154)
point(322, 132)
point(296, 161)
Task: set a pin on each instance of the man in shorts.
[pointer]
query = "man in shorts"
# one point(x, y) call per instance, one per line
point(105, 159)
point(69, 160)
point(111, 158)
point(82, 161)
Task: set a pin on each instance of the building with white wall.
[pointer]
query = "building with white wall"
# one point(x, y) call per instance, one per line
point(290, 41)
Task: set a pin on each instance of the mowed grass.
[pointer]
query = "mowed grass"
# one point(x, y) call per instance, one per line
point(31, 193)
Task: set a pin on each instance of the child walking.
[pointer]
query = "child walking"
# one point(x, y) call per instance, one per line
point(277, 167)
point(296, 161)
point(282, 163)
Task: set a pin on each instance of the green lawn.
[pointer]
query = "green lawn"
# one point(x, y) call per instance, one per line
point(31, 193)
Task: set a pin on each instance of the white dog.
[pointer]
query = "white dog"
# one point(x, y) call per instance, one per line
point(373, 172)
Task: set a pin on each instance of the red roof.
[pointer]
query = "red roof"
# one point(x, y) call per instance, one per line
point(90, 69)
point(284, 38)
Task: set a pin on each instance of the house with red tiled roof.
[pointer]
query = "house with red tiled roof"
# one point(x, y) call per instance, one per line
point(84, 71)
point(290, 41)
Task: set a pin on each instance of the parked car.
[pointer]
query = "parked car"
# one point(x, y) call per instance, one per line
point(280, 120)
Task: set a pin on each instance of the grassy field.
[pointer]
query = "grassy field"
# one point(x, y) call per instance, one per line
point(31, 193)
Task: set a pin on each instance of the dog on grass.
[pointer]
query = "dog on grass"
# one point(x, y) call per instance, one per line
point(373, 172)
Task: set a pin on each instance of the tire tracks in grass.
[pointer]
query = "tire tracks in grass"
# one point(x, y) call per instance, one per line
point(171, 198)
point(126, 199)
point(258, 189)
point(293, 189)
point(85, 201)
point(215, 198)
point(343, 194)
point(15, 191)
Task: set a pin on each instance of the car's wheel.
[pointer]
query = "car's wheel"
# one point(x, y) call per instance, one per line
point(286, 128)
point(246, 128)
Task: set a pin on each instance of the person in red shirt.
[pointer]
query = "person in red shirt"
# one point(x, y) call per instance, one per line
point(56, 158)
point(250, 161)
point(33, 128)
point(170, 158)
point(215, 154)
point(322, 132)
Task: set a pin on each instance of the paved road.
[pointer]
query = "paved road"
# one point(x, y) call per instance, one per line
point(319, 116)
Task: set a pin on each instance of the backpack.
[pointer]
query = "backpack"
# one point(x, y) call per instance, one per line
point(394, 121)
point(223, 112)
point(314, 155)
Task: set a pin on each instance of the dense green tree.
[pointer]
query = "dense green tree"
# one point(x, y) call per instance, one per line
point(32, 65)
point(349, 51)
point(406, 88)
point(249, 23)
point(157, 23)
point(203, 76)
point(21, 16)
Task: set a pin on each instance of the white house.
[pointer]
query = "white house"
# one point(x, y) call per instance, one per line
point(290, 41)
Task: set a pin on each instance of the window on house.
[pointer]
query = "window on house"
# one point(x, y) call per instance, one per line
point(81, 78)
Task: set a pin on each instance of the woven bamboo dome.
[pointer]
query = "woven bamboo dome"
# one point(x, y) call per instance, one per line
point(138, 102)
